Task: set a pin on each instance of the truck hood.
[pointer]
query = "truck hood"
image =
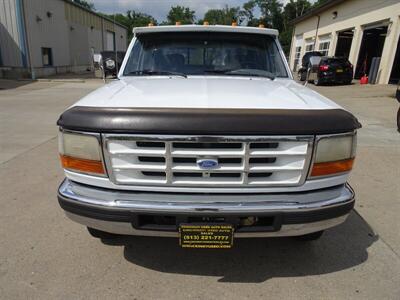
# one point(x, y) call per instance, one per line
point(206, 92)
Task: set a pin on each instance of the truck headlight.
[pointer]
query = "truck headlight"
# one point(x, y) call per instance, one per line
point(334, 155)
point(110, 64)
point(81, 153)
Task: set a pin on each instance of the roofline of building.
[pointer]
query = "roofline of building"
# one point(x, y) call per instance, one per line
point(95, 13)
point(317, 10)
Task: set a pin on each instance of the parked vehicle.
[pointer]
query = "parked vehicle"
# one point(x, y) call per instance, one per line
point(305, 64)
point(206, 137)
point(331, 70)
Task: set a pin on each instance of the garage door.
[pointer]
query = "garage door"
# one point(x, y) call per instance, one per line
point(110, 39)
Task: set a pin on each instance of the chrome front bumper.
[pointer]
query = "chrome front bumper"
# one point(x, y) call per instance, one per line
point(113, 211)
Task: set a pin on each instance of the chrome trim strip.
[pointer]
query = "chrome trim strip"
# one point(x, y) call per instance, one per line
point(127, 228)
point(192, 203)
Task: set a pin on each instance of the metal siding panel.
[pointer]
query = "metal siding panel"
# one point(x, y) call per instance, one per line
point(10, 45)
point(54, 32)
point(20, 21)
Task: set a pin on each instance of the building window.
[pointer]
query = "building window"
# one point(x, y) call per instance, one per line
point(324, 48)
point(47, 57)
point(309, 47)
point(297, 57)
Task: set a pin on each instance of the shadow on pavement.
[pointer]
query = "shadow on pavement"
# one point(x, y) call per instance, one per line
point(256, 260)
point(7, 84)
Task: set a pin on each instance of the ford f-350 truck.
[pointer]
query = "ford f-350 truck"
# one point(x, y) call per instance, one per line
point(206, 137)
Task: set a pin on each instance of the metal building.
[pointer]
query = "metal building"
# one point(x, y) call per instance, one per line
point(364, 31)
point(44, 37)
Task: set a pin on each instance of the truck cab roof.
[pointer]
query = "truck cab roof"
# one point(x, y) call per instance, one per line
point(205, 28)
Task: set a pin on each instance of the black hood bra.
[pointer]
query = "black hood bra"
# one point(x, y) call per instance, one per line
point(199, 121)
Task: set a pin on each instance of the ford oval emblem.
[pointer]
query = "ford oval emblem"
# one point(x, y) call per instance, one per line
point(207, 163)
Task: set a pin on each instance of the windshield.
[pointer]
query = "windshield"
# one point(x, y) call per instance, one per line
point(200, 53)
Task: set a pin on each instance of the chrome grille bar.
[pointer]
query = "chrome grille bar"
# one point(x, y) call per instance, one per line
point(242, 161)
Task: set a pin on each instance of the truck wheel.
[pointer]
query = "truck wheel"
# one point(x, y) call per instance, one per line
point(317, 82)
point(311, 236)
point(302, 76)
point(101, 234)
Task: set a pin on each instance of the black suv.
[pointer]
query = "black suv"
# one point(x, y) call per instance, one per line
point(331, 70)
point(305, 64)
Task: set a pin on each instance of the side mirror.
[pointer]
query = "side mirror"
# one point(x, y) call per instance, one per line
point(97, 61)
point(98, 66)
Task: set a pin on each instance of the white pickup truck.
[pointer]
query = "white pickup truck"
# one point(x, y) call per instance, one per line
point(206, 137)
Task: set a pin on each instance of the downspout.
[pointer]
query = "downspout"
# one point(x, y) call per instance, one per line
point(316, 32)
point(33, 76)
point(19, 11)
point(291, 47)
point(102, 34)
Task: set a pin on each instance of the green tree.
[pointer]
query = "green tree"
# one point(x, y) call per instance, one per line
point(180, 14)
point(247, 14)
point(133, 19)
point(85, 4)
point(277, 16)
point(224, 16)
point(293, 9)
point(271, 13)
point(319, 2)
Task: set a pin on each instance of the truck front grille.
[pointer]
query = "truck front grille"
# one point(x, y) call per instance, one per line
point(241, 161)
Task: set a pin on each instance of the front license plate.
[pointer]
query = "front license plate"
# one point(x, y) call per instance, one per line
point(339, 71)
point(216, 236)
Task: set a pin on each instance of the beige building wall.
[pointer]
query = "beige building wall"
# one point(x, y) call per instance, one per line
point(356, 15)
point(47, 27)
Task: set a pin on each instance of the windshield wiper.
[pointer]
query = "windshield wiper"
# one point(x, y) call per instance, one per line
point(243, 72)
point(156, 72)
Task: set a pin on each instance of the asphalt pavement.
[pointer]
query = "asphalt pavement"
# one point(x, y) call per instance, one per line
point(43, 255)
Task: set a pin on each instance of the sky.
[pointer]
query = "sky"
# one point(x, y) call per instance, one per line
point(159, 8)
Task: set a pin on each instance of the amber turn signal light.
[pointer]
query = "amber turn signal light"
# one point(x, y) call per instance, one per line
point(82, 165)
point(332, 167)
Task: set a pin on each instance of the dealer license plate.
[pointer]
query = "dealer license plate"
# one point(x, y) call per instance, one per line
point(216, 236)
point(339, 71)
